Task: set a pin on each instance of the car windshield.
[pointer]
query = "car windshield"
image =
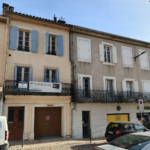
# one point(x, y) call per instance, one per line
point(129, 141)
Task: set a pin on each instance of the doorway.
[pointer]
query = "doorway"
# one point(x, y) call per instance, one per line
point(86, 123)
point(15, 122)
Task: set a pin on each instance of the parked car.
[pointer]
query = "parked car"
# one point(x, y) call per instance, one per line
point(133, 141)
point(4, 144)
point(117, 129)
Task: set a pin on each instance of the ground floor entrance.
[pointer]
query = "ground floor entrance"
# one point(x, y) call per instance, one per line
point(47, 121)
point(15, 122)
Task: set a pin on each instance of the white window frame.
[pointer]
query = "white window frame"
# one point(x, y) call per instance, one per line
point(24, 30)
point(50, 74)
point(113, 53)
point(52, 35)
point(135, 86)
point(129, 48)
point(110, 49)
point(109, 78)
point(44, 47)
point(22, 73)
point(80, 80)
point(141, 60)
point(78, 53)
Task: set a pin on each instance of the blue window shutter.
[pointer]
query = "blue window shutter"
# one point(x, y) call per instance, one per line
point(15, 73)
point(60, 48)
point(13, 38)
point(34, 41)
point(46, 43)
point(57, 76)
point(30, 73)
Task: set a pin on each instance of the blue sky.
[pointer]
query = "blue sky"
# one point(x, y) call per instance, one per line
point(130, 18)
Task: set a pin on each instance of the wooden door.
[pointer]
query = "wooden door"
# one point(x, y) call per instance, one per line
point(47, 121)
point(15, 122)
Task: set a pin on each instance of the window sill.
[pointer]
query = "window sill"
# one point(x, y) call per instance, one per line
point(25, 52)
point(51, 55)
point(106, 63)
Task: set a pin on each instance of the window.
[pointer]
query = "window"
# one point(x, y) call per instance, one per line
point(50, 76)
point(129, 86)
point(128, 127)
point(84, 49)
point(139, 127)
point(23, 42)
point(107, 54)
point(127, 57)
point(51, 45)
point(22, 74)
point(144, 62)
point(109, 85)
point(86, 87)
point(130, 140)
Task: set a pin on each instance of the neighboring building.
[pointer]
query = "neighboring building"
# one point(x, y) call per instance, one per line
point(108, 81)
point(38, 77)
point(3, 39)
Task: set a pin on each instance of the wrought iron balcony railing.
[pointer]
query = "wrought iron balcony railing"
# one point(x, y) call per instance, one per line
point(12, 88)
point(105, 96)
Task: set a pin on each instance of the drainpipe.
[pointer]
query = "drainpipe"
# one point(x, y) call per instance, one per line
point(72, 59)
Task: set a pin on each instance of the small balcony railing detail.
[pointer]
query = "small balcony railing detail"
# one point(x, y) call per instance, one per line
point(12, 88)
point(105, 96)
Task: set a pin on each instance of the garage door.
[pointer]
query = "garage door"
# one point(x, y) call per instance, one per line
point(47, 121)
point(117, 117)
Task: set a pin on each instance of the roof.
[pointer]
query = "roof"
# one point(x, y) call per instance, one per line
point(142, 133)
point(75, 27)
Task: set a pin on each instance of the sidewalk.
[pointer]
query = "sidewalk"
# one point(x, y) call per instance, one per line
point(58, 143)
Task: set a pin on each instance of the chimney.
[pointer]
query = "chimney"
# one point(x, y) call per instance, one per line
point(55, 19)
point(62, 20)
point(11, 8)
point(5, 8)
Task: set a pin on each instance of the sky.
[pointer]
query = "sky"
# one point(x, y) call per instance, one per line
point(129, 18)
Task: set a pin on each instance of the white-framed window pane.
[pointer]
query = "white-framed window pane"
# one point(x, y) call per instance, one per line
point(107, 54)
point(53, 75)
point(109, 85)
point(129, 86)
point(51, 45)
point(19, 73)
point(26, 74)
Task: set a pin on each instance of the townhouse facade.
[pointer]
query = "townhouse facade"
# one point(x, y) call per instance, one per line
point(3, 39)
point(108, 81)
point(38, 77)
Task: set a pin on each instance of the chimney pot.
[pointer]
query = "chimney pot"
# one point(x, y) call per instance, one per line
point(55, 19)
point(11, 8)
point(5, 6)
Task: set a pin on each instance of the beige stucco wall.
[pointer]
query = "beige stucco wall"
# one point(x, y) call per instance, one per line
point(3, 29)
point(39, 60)
point(97, 69)
point(30, 102)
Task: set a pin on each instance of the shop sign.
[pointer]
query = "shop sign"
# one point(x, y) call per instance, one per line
point(145, 107)
point(118, 117)
point(22, 85)
point(35, 86)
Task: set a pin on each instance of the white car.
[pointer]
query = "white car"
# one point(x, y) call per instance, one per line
point(4, 144)
point(133, 141)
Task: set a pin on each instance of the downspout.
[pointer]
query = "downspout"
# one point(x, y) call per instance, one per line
point(72, 58)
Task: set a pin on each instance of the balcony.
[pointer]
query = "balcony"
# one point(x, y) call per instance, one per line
point(104, 96)
point(13, 87)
